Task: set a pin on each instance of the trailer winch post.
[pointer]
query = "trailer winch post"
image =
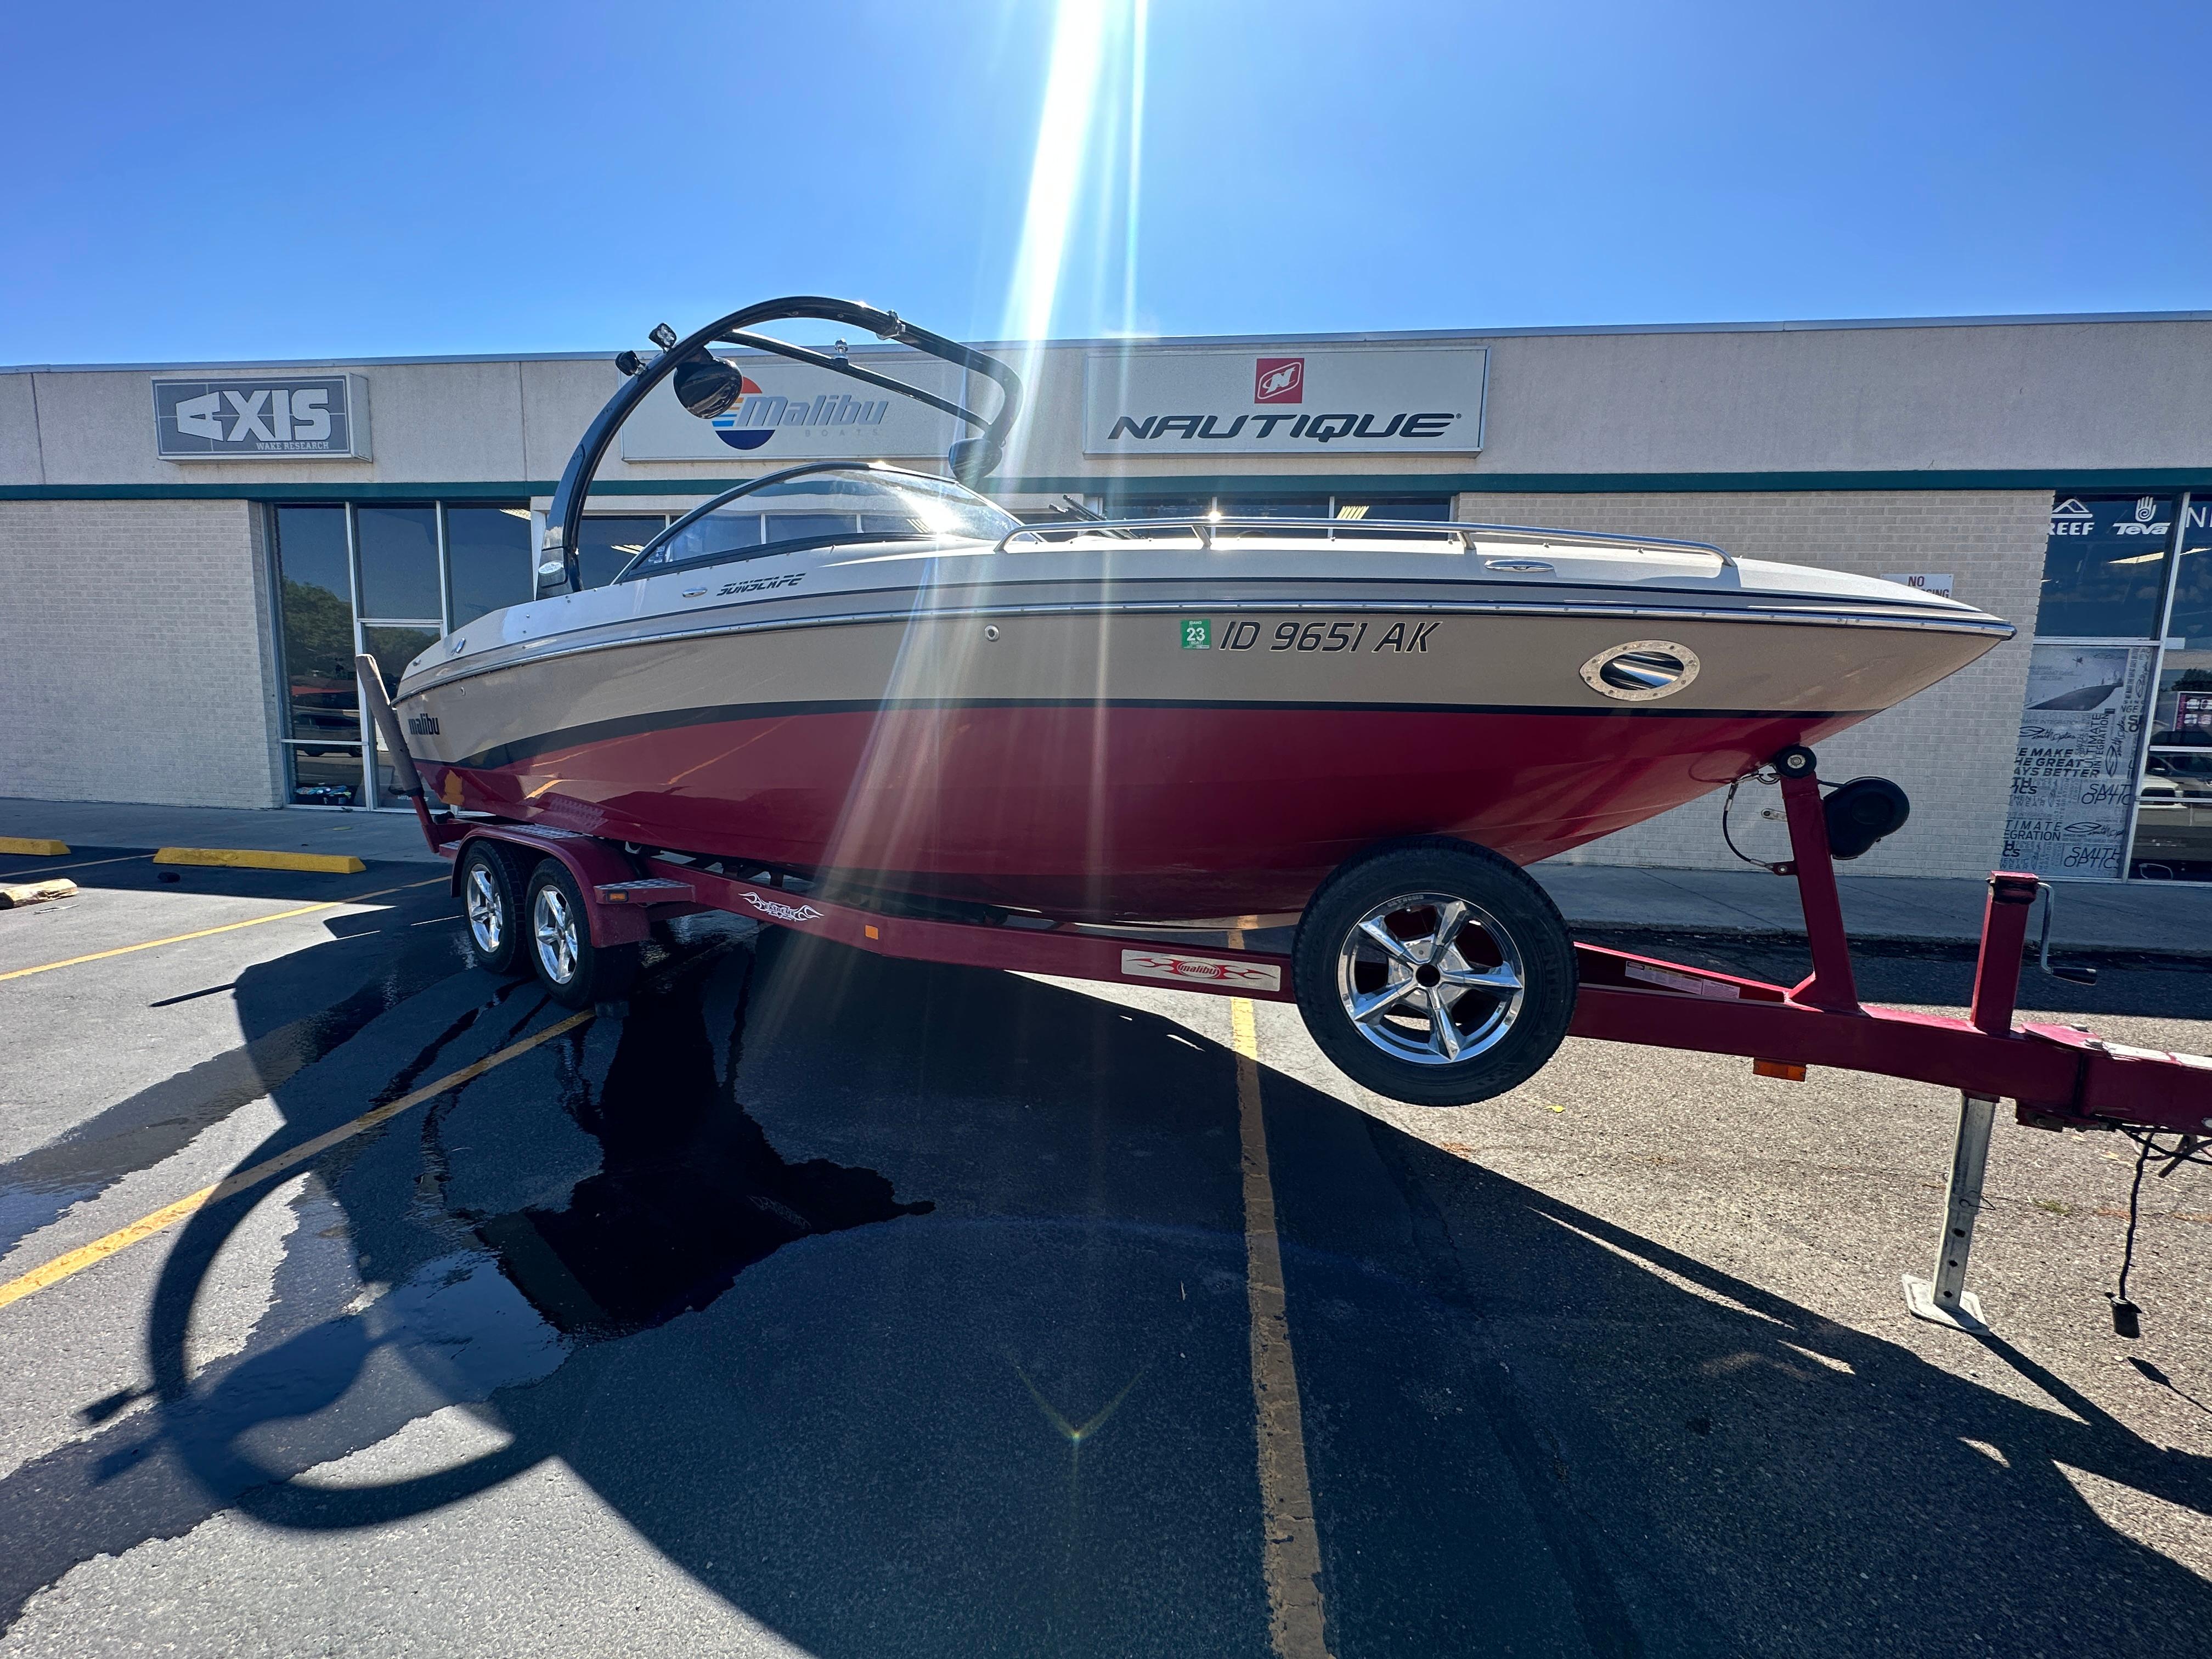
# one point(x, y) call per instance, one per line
point(1830, 984)
point(1945, 1299)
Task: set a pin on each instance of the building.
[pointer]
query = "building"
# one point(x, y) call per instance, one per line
point(191, 553)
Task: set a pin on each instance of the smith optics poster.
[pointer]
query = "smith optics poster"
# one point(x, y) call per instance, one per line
point(2081, 738)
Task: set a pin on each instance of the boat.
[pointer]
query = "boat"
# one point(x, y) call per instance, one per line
point(879, 680)
point(858, 668)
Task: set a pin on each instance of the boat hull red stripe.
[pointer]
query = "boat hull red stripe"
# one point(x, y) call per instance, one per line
point(1104, 811)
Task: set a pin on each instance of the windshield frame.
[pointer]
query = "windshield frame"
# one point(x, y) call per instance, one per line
point(634, 569)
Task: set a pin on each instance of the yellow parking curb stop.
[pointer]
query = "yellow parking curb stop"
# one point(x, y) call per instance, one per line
point(35, 892)
point(238, 858)
point(33, 846)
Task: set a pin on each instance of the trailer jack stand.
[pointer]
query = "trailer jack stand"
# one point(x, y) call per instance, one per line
point(1945, 1300)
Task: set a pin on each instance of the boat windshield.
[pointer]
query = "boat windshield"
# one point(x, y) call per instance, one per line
point(831, 506)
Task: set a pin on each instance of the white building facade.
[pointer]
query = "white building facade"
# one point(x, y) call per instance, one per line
point(190, 554)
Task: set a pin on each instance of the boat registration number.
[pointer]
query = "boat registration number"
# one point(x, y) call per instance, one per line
point(1370, 636)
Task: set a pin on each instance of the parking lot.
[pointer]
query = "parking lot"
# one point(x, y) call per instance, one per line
point(826, 1304)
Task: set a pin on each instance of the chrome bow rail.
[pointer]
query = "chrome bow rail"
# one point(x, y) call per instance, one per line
point(1207, 534)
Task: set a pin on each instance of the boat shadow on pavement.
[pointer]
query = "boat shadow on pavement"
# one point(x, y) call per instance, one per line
point(904, 1308)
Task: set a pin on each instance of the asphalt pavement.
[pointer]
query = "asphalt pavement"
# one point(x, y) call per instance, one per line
point(825, 1304)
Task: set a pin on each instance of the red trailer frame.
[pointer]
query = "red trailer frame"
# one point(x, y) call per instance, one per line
point(2060, 1076)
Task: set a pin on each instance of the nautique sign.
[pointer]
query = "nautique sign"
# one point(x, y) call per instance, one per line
point(1406, 399)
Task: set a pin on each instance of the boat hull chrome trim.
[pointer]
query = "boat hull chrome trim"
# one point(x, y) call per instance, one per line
point(512, 653)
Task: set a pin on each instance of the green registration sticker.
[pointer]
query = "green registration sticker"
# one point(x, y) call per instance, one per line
point(1197, 635)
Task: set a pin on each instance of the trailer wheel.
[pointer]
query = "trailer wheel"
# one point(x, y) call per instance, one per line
point(491, 899)
point(575, 972)
point(1434, 972)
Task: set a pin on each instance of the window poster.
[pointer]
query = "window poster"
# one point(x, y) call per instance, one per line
point(2074, 778)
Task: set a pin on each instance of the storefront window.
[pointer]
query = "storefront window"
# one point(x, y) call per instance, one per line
point(418, 569)
point(2091, 681)
point(608, 543)
point(2173, 816)
point(2103, 574)
point(322, 716)
point(398, 562)
point(326, 777)
point(318, 612)
point(487, 559)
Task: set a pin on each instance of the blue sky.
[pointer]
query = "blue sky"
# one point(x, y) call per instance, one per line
point(294, 180)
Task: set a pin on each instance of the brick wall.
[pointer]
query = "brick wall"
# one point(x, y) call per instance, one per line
point(135, 654)
point(1951, 747)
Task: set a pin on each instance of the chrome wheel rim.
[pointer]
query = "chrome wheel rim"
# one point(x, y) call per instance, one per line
point(487, 918)
point(555, 925)
point(1431, 979)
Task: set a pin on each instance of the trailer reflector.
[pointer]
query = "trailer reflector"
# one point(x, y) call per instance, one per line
point(1781, 1068)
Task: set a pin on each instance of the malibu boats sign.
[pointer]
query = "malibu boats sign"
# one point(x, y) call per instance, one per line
point(790, 412)
point(1394, 399)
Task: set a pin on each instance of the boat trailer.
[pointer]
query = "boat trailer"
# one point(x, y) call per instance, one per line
point(2059, 1076)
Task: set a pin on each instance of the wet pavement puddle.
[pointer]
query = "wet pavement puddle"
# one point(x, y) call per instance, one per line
point(690, 1192)
point(395, 1296)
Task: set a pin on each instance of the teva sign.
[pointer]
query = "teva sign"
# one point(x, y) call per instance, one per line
point(1409, 399)
point(303, 417)
point(788, 411)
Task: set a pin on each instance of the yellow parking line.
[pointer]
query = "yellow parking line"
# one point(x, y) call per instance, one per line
point(227, 927)
point(64, 1266)
point(1291, 1549)
point(85, 864)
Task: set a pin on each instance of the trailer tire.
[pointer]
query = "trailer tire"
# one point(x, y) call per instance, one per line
point(491, 881)
point(575, 973)
point(1424, 1002)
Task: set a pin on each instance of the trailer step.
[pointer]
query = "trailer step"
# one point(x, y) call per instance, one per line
point(657, 889)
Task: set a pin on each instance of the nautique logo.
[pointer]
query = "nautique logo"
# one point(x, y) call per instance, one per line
point(1293, 400)
point(1278, 380)
point(757, 415)
point(1320, 428)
